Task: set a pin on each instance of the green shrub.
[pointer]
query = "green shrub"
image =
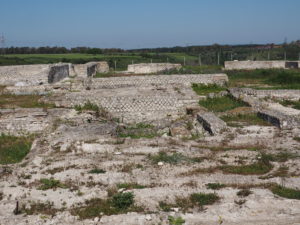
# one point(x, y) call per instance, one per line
point(97, 171)
point(204, 199)
point(123, 201)
point(14, 149)
point(215, 186)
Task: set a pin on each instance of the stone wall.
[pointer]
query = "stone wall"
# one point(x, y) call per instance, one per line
point(24, 74)
point(58, 72)
point(250, 65)
point(148, 68)
point(138, 81)
point(90, 69)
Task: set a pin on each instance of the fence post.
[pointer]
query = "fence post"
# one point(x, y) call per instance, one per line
point(184, 60)
point(115, 65)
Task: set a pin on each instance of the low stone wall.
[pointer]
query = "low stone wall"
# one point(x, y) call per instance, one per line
point(211, 123)
point(57, 73)
point(90, 69)
point(148, 68)
point(250, 65)
point(139, 81)
point(278, 119)
point(277, 94)
point(24, 74)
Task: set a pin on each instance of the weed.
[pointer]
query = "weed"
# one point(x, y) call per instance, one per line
point(40, 208)
point(176, 221)
point(116, 204)
point(202, 199)
point(97, 171)
point(165, 206)
point(175, 158)
point(215, 186)
point(14, 149)
point(51, 184)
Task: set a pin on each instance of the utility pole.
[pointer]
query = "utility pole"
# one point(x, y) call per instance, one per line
point(269, 56)
point(115, 65)
point(2, 44)
point(284, 56)
point(218, 58)
point(184, 60)
point(151, 61)
point(299, 56)
point(132, 62)
point(231, 56)
point(167, 59)
point(200, 61)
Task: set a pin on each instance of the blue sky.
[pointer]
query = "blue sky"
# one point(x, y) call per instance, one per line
point(147, 23)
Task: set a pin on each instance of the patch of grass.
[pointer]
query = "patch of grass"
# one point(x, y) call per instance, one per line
point(221, 104)
point(117, 204)
point(253, 169)
point(280, 157)
point(88, 106)
point(165, 206)
point(176, 221)
point(175, 158)
point(244, 119)
point(286, 192)
point(215, 186)
point(40, 208)
point(202, 199)
point(51, 184)
point(202, 89)
point(262, 166)
point(137, 131)
point(23, 101)
point(129, 186)
point(97, 171)
point(293, 104)
point(14, 149)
